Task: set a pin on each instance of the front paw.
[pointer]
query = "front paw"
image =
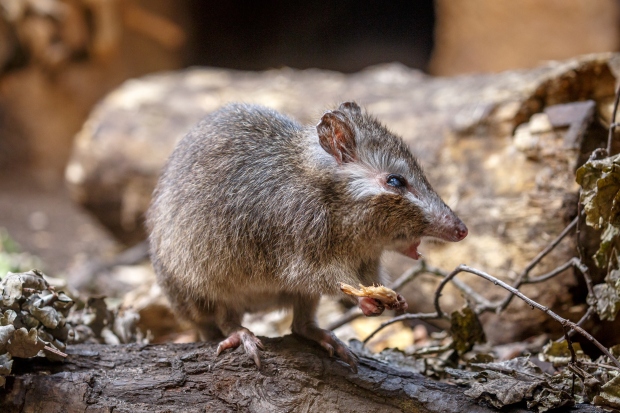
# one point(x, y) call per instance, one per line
point(371, 307)
point(400, 306)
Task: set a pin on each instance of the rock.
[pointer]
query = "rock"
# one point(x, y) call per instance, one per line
point(515, 192)
point(540, 123)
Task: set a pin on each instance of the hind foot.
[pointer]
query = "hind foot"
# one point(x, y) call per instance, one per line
point(250, 342)
point(329, 342)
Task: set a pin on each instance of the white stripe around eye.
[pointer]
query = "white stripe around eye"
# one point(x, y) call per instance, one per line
point(414, 199)
point(362, 181)
point(429, 205)
point(384, 163)
point(365, 178)
point(399, 166)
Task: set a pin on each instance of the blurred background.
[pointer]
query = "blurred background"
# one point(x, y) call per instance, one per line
point(58, 58)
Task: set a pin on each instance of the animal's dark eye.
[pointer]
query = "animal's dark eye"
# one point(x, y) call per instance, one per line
point(397, 181)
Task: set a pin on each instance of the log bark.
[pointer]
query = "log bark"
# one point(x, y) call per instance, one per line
point(296, 377)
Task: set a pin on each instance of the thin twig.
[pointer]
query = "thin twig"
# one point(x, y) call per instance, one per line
point(418, 316)
point(529, 301)
point(612, 123)
point(599, 365)
point(573, 262)
point(523, 276)
point(569, 343)
point(589, 312)
point(585, 271)
point(481, 301)
point(406, 277)
point(432, 350)
point(549, 247)
point(409, 275)
point(348, 316)
point(55, 351)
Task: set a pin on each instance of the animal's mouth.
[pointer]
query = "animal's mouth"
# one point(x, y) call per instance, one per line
point(411, 251)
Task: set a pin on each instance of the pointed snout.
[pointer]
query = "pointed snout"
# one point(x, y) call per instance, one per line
point(460, 231)
point(445, 224)
point(450, 228)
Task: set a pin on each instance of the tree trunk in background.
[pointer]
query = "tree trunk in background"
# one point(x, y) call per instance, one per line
point(489, 36)
point(57, 61)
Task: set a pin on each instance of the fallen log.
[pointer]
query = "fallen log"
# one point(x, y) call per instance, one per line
point(296, 376)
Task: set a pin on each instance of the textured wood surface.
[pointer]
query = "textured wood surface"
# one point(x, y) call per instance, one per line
point(296, 377)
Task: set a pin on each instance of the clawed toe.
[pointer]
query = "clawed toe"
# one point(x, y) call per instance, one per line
point(233, 341)
point(331, 344)
point(251, 344)
point(347, 356)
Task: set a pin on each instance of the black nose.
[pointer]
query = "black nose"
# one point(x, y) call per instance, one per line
point(461, 231)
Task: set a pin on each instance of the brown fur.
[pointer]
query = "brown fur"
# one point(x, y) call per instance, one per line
point(254, 211)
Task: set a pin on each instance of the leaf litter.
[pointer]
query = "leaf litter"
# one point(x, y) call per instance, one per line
point(37, 321)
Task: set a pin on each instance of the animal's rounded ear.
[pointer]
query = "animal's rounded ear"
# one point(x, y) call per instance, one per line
point(350, 108)
point(337, 136)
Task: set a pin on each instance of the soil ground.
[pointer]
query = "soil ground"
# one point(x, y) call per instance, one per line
point(46, 223)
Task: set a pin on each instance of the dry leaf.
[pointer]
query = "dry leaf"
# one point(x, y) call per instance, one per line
point(25, 343)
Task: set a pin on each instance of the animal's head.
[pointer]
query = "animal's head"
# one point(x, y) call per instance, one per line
point(382, 173)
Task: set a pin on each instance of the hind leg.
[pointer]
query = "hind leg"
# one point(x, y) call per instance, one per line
point(229, 322)
point(211, 319)
point(200, 314)
point(305, 325)
point(207, 330)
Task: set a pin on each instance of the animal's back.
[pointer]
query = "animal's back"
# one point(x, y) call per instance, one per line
point(232, 205)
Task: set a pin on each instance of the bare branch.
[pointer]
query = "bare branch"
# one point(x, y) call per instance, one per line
point(354, 312)
point(350, 315)
point(481, 301)
point(409, 275)
point(573, 262)
point(585, 271)
point(406, 277)
point(523, 276)
point(573, 356)
point(550, 247)
point(432, 350)
point(469, 292)
point(598, 365)
point(529, 301)
point(589, 313)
